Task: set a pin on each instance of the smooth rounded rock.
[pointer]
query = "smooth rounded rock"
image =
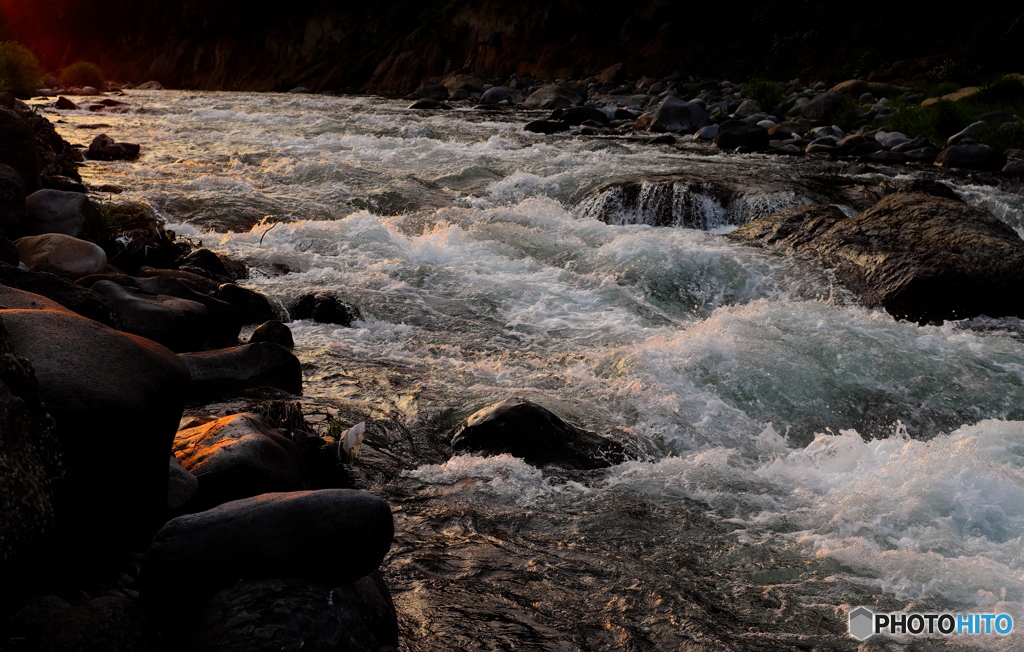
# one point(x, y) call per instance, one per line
point(330, 536)
point(60, 211)
point(61, 254)
point(243, 367)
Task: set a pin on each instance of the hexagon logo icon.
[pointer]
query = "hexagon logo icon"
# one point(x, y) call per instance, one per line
point(861, 620)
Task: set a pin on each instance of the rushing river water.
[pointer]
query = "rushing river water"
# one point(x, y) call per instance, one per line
point(793, 454)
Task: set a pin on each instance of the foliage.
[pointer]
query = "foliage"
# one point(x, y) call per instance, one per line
point(83, 73)
point(768, 94)
point(942, 119)
point(20, 72)
point(848, 117)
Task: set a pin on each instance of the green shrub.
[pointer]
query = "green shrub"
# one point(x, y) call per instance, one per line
point(20, 72)
point(768, 94)
point(83, 73)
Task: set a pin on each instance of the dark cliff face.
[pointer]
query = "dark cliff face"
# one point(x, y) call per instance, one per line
point(391, 47)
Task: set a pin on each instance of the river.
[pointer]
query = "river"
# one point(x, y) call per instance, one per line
point(793, 454)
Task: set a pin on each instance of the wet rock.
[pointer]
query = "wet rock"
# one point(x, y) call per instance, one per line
point(527, 430)
point(286, 614)
point(733, 134)
point(59, 211)
point(114, 493)
point(429, 104)
point(68, 294)
point(823, 106)
point(239, 456)
point(205, 259)
point(496, 95)
point(552, 96)
point(104, 624)
point(104, 148)
point(179, 323)
point(546, 126)
point(31, 465)
point(324, 307)
point(152, 85)
point(243, 367)
point(273, 331)
point(678, 116)
point(61, 254)
point(971, 157)
point(330, 536)
point(709, 132)
point(18, 148)
point(921, 186)
point(64, 104)
point(577, 115)
point(182, 486)
point(921, 257)
point(195, 281)
point(253, 307)
point(12, 202)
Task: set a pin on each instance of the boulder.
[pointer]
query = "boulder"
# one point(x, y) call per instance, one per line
point(252, 307)
point(823, 106)
point(273, 331)
point(116, 400)
point(104, 624)
point(60, 254)
point(496, 95)
point(546, 126)
point(60, 211)
point(534, 433)
point(18, 148)
point(289, 614)
point(921, 257)
point(433, 92)
point(182, 486)
point(152, 85)
point(12, 202)
point(104, 148)
point(552, 96)
point(205, 259)
point(678, 116)
point(179, 323)
point(243, 367)
point(971, 156)
point(239, 456)
point(577, 115)
point(330, 536)
point(31, 464)
point(324, 307)
point(64, 104)
point(68, 294)
point(733, 134)
point(428, 104)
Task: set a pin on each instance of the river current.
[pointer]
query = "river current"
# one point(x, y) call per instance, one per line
point(793, 454)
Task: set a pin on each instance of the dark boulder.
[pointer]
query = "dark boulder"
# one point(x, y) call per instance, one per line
point(921, 257)
point(733, 134)
point(104, 148)
point(31, 458)
point(18, 148)
point(12, 202)
point(577, 115)
point(243, 367)
point(330, 536)
point(429, 104)
point(64, 104)
point(60, 211)
point(239, 456)
point(971, 156)
point(104, 624)
point(921, 186)
point(433, 92)
point(116, 400)
point(205, 259)
point(252, 307)
point(527, 430)
point(325, 308)
point(67, 293)
point(823, 106)
point(289, 614)
point(679, 116)
point(187, 322)
point(273, 331)
point(546, 126)
point(552, 96)
point(496, 95)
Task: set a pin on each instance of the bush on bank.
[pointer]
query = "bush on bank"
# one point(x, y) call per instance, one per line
point(20, 72)
point(83, 73)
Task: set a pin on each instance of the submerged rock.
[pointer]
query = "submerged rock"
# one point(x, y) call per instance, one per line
point(324, 307)
point(921, 257)
point(527, 430)
point(104, 148)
